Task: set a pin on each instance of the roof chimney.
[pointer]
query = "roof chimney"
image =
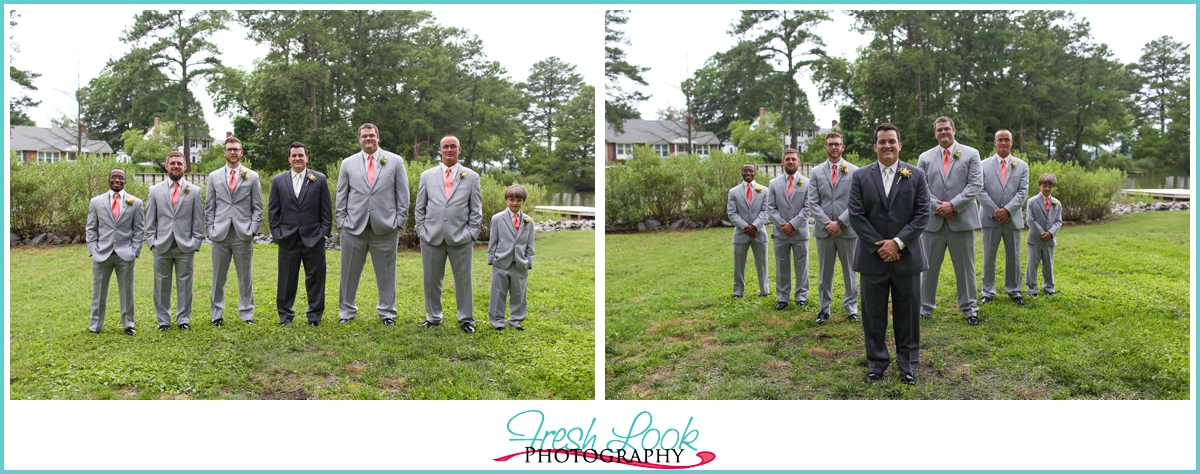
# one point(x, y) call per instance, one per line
point(762, 116)
point(156, 126)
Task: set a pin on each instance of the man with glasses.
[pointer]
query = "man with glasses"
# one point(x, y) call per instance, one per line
point(1005, 184)
point(828, 203)
point(449, 210)
point(372, 207)
point(233, 213)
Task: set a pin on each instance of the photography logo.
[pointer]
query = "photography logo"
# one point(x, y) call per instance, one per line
point(643, 444)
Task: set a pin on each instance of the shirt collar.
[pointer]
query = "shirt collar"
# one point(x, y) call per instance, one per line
point(831, 163)
point(295, 174)
point(948, 149)
point(443, 167)
point(895, 166)
point(111, 193)
point(232, 169)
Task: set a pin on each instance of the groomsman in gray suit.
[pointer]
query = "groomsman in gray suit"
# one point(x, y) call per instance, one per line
point(829, 204)
point(372, 207)
point(232, 214)
point(787, 206)
point(114, 240)
point(449, 211)
point(174, 229)
point(1005, 185)
point(953, 174)
point(1044, 217)
point(748, 211)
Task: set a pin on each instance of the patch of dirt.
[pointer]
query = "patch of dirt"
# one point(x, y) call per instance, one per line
point(356, 367)
point(298, 393)
point(819, 352)
point(664, 325)
point(778, 365)
point(394, 384)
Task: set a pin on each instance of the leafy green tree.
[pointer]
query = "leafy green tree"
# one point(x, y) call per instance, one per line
point(750, 137)
point(731, 86)
point(551, 84)
point(20, 105)
point(1163, 65)
point(127, 95)
point(619, 105)
point(150, 145)
point(576, 137)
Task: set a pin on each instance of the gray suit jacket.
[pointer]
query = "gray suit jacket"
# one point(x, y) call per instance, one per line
point(124, 235)
point(742, 214)
point(827, 203)
point(783, 208)
point(960, 187)
point(452, 222)
point(1039, 221)
point(384, 204)
point(507, 244)
point(239, 210)
point(183, 223)
point(1010, 194)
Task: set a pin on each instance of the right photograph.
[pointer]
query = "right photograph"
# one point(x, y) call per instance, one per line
point(898, 204)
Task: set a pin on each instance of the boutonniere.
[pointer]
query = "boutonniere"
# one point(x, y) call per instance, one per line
point(187, 189)
point(312, 178)
point(528, 219)
point(956, 153)
point(462, 174)
point(1012, 164)
point(844, 169)
point(757, 188)
point(1053, 202)
point(382, 160)
point(129, 201)
point(245, 174)
point(905, 172)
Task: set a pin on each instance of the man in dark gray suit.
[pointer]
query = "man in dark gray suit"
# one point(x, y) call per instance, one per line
point(174, 229)
point(114, 240)
point(954, 177)
point(232, 215)
point(787, 206)
point(372, 207)
point(747, 211)
point(828, 203)
point(889, 208)
point(300, 216)
point(1005, 184)
point(449, 211)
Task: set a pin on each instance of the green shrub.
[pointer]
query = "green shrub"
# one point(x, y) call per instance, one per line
point(668, 188)
point(1085, 195)
point(54, 197)
point(623, 200)
point(1113, 160)
point(708, 181)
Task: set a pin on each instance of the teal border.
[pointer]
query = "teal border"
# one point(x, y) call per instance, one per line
point(4, 303)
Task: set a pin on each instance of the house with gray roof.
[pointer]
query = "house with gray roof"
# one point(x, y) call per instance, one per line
point(665, 137)
point(47, 145)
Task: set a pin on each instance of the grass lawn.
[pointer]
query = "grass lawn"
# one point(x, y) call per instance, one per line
point(53, 355)
point(1118, 329)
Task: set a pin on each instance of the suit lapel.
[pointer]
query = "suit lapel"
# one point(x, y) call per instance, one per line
point(303, 189)
point(453, 187)
point(896, 180)
point(512, 228)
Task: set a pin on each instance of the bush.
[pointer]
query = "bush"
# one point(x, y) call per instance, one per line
point(1113, 160)
point(54, 197)
point(1085, 195)
point(667, 188)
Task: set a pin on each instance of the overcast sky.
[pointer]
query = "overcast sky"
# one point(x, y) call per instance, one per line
point(69, 44)
point(675, 41)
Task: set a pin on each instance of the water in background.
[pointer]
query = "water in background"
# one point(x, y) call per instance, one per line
point(572, 199)
point(1158, 181)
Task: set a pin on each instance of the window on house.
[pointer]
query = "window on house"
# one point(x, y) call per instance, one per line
point(662, 150)
point(624, 151)
point(48, 156)
point(701, 150)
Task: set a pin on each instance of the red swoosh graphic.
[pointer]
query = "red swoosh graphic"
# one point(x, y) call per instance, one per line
point(705, 458)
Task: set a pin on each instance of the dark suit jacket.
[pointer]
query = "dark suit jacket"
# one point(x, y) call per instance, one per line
point(308, 217)
point(903, 213)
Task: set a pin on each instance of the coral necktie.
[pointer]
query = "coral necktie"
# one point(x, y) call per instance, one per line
point(946, 163)
point(1047, 207)
point(175, 194)
point(1003, 171)
point(232, 179)
point(116, 205)
point(516, 222)
point(371, 170)
point(449, 182)
point(749, 194)
point(835, 175)
point(791, 183)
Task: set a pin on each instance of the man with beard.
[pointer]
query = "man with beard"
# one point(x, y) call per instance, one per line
point(114, 240)
point(828, 202)
point(232, 215)
point(787, 206)
point(174, 229)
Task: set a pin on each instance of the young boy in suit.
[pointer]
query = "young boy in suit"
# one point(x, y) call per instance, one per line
point(1043, 215)
point(510, 253)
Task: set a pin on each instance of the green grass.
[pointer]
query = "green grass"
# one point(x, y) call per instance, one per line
point(54, 357)
point(1117, 330)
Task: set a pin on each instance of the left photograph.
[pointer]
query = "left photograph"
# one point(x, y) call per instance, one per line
point(315, 204)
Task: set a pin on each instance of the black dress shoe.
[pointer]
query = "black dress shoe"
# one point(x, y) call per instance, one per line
point(314, 323)
point(163, 328)
point(874, 377)
point(427, 324)
point(853, 317)
point(801, 304)
point(822, 317)
point(93, 332)
point(1018, 299)
point(781, 305)
point(985, 300)
point(501, 328)
point(467, 327)
point(766, 295)
point(519, 328)
point(285, 323)
point(737, 296)
point(130, 331)
point(973, 320)
point(389, 322)
point(250, 321)
point(185, 327)
point(1051, 293)
point(343, 321)
point(216, 323)
point(908, 379)
point(923, 316)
